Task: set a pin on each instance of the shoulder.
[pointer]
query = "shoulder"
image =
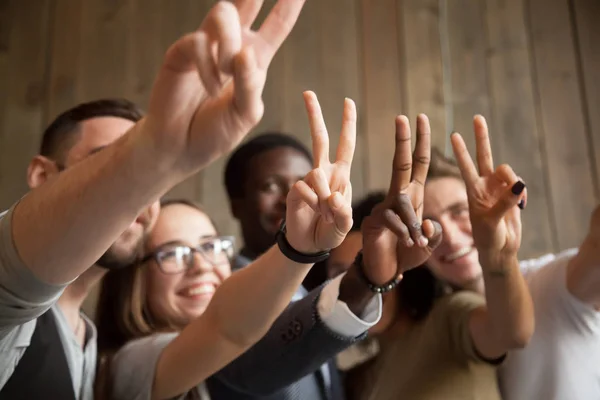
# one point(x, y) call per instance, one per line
point(13, 343)
point(132, 368)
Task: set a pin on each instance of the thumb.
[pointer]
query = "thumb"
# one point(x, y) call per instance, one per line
point(510, 198)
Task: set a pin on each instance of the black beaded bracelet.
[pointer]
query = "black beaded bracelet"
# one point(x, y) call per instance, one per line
point(386, 287)
point(293, 254)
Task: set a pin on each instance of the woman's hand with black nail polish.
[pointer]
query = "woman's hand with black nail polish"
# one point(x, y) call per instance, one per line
point(496, 197)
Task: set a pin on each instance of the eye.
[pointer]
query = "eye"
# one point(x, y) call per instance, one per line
point(461, 212)
point(270, 187)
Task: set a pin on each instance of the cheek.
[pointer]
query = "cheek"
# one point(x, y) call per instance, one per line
point(161, 288)
point(223, 271)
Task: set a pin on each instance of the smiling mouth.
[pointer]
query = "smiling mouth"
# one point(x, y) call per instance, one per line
point(458, 254)
point(199, 290)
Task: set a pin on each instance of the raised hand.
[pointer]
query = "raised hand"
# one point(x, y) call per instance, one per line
point(318, 212)
point(207, 95)
point(493, 197)
point(397, 222)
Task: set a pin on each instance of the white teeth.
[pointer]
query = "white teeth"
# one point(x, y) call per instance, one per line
point(458, 254)
point(204, 289)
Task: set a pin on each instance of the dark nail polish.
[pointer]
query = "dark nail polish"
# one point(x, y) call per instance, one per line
point(518, 188)
point(522, 204)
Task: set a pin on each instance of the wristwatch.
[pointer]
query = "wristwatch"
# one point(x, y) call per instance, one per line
point(293, 254)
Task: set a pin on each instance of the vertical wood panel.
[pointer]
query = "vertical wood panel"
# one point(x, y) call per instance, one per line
point(339, 76)
point(514, 124)
point(424, 72)
point(563, 124)
point(65, 67)
point(25, 91)
point(274, 92)
point(382, 88)
point(104, 49)
point(470, 95)
point(587, 15)
point(301, 71)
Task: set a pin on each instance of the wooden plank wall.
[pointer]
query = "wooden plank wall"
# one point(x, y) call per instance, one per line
point(531, 66)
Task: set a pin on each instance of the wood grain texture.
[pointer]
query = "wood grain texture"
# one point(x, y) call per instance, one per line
point(530, 66)
point(562, 119)
point(424, 69)
point(512, 120)
point(470, 95)
point(381, 87)
point(586, 17)
point(25, 90)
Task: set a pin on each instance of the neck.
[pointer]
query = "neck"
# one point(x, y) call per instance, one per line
point(72, 298)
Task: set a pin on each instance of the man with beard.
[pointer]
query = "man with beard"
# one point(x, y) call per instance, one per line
point(96, 174)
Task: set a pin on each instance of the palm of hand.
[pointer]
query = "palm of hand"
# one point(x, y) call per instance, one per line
point(318, 207)
point(207, 95)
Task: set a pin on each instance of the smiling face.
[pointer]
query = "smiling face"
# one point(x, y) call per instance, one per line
point(270, 176)
point(455, 260)
point(183, 296)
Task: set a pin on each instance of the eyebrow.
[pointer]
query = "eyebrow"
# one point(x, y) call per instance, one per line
point(451, 207)
point(182, 243)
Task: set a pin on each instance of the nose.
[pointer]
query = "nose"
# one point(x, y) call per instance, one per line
point(200, 264)
point(451, 230)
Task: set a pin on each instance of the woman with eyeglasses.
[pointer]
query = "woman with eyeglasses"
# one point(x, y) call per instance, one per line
point(170, 322)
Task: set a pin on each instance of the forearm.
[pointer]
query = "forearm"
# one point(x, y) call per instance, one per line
point(248, 302)
point(510, 316)
point(240, 313)
point(63, 227)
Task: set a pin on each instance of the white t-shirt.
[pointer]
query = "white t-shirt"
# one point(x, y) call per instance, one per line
point(562, 359)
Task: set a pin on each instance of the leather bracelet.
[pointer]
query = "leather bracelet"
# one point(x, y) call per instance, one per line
point(293, 254)
point(386, 287)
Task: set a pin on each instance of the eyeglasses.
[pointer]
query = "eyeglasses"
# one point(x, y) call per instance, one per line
point(176, 258)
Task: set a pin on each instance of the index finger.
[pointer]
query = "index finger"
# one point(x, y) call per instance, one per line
point(463, 159)
point(318, 130)
point(402, 164)
point(248, 10)
point(485, 161)
point(277, 27)
point(422, 154)
point(347, 144)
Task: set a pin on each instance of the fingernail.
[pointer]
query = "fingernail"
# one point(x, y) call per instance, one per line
point(518, 188)
point(423, 242)
point(409, 242)
point(522, 204)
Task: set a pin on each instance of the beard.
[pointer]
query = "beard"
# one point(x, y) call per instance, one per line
point(125, 252)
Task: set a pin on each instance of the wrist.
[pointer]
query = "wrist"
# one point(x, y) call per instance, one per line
point(354, 292)
point(493, 261)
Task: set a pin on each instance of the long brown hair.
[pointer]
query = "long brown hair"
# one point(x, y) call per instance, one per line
point(122, 313)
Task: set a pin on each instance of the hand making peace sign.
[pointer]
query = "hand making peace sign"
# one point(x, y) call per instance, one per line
point(395, 238)
point(207, 95)
point(318, 212)
point(493, 197)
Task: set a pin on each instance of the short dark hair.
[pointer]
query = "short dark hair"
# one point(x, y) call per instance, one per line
point(237, 164)
point(363, 208)
point(59, 136)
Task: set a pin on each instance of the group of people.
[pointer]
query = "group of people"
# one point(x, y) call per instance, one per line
point(416, 292)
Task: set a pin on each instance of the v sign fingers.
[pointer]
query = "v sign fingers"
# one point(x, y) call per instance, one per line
point(324, 227)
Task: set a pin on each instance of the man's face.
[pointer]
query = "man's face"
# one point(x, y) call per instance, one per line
point(269, 178)
point(93, 136)
point(455, 260)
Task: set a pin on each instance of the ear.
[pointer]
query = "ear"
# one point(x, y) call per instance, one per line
point(40, 169)
point(237, 208)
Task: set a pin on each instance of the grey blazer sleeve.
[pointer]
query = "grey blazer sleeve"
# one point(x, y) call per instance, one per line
point(297, 344)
